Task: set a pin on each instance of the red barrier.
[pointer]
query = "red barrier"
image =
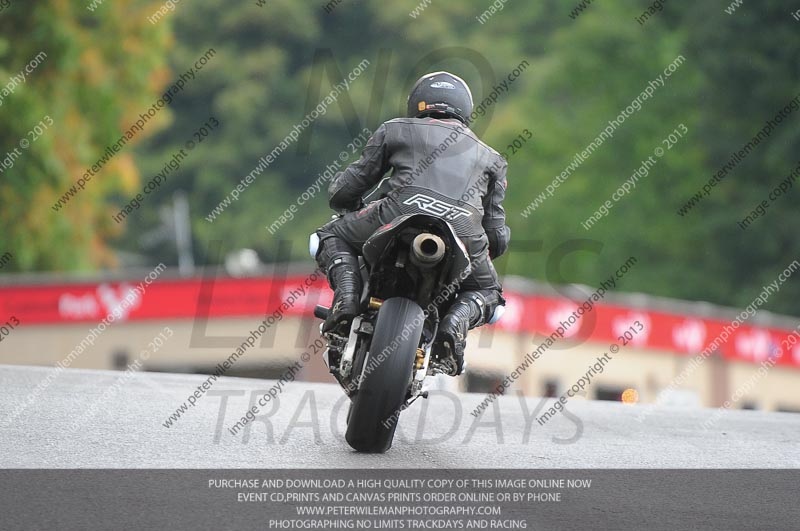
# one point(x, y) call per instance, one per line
point(297, 295)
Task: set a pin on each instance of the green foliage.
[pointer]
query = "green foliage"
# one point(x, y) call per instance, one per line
point(95, 75)
point(275, 63)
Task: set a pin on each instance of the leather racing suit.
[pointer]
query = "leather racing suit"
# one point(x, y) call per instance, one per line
point(434, 162)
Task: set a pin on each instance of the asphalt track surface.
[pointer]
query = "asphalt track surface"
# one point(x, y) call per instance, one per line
point(71, 425)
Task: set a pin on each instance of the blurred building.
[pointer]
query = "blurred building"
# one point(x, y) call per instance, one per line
point(191, 325)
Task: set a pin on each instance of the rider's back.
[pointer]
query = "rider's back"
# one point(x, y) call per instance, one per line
point(443, 156)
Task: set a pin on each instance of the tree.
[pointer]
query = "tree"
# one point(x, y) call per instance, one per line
point(96, 71)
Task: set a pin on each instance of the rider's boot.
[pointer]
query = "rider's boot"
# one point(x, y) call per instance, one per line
point(344, 276)
point(467, 312)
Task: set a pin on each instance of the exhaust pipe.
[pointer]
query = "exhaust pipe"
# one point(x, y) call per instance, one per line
point(427, 250)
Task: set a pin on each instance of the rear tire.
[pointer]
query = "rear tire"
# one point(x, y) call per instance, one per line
point(383, 389)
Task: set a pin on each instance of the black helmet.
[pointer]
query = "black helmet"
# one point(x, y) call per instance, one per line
point(440, 93)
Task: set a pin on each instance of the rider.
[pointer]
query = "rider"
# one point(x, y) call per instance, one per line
point(435, 160)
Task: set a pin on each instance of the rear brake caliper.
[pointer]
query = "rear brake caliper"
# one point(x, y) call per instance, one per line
point(333, 354)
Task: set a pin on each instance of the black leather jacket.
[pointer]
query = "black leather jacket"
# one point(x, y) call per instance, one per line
point(443, 156)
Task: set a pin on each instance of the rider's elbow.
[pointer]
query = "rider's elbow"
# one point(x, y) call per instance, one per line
point(498, 240)
point(340, 202)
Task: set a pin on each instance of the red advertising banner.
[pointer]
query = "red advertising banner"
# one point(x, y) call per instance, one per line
point(297, 295)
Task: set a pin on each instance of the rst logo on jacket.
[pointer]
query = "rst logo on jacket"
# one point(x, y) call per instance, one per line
point(436, 207)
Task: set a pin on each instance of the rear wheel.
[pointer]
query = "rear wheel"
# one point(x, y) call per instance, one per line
point(387, 374)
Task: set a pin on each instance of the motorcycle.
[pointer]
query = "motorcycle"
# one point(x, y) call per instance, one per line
point(414, 262)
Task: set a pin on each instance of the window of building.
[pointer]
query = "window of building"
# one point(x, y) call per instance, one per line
point(483, 382)
point(606, 392)
point(550, 388)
